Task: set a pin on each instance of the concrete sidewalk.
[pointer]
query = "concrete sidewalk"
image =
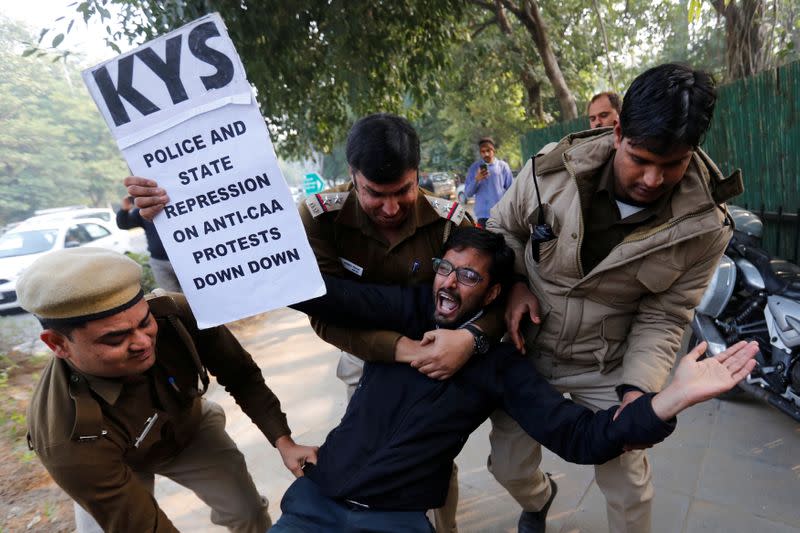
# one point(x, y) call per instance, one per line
point(730, 466)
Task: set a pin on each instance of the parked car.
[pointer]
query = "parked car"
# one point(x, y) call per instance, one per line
point(60, 213)
point(442, 184)
point(40, 235)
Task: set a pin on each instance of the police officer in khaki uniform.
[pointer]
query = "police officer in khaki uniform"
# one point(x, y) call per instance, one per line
point(122, 398)
point(617, 233)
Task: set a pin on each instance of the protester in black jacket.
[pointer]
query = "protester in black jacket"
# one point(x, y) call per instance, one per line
point(390, 457)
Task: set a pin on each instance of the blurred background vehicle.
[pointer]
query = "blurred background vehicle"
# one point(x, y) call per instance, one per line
point(441, 184)
point(42, 234)
point(73, 212)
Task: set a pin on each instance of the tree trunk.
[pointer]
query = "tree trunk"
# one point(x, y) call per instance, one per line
point(527, 12)
point(530, 17)
point(605, 43)
point(744, 53)
point(534, 109)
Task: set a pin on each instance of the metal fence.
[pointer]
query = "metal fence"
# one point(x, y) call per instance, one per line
point(756, 127)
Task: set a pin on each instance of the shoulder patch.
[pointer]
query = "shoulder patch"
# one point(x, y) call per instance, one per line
point(449, 210)
point(161, 303)
point(325, 202)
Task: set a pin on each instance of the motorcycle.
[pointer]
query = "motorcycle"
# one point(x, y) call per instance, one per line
point(753, 296)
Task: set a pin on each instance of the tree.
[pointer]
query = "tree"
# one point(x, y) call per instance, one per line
point(527, 12)
point(55, 149)
point(317, 64)
point(759, 34)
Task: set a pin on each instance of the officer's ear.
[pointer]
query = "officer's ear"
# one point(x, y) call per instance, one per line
point(491, 294)
point(617, 135)
point(352, 172)
point(57, 342)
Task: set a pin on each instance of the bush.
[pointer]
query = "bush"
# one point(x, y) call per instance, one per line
point(148, 281)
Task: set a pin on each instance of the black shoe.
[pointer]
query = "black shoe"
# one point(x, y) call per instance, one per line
point(535, 521)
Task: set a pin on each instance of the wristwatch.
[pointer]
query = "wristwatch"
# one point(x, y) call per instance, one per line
point(482, 343)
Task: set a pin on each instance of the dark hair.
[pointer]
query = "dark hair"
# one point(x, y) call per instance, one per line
point(668, 106)
point(383, 147)
point(486, 140)
point(492, 244)
point(613, 99)
point(61, 326)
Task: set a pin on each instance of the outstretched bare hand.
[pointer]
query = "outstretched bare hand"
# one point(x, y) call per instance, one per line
point(696, 381)
point(712, 376)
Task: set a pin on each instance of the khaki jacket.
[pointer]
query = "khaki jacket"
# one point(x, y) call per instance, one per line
point(347, 245)
point(633, 307)
point(83, 428)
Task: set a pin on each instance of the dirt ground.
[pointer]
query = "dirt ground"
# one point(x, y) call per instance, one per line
point(29, 499)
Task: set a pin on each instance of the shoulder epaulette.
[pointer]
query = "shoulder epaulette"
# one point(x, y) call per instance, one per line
point(325, 202)
point(447, 209)
point(161, 303)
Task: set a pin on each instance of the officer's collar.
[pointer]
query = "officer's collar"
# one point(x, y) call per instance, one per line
point(108, 389)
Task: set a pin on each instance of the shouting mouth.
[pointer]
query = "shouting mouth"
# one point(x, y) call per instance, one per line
point(447, 304)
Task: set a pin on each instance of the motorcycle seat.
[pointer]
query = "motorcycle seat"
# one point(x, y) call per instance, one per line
point(790, 274)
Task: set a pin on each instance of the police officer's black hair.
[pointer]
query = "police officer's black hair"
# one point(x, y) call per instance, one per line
point(383, 147)
point(493, 244)
point(62, 327)
point(668, 106)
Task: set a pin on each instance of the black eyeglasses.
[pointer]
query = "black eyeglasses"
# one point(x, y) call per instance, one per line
point(465, 276)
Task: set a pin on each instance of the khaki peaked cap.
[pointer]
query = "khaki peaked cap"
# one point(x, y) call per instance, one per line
point(80, 283)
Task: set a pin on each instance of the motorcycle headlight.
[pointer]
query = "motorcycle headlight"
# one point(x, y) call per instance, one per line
point(719, 289)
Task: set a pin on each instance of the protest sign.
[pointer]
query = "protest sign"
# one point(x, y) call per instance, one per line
point(183, 113)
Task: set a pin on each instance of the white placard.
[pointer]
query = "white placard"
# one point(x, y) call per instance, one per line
point(183, 113)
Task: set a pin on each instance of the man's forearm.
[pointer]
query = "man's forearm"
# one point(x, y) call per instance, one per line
point(669, 402)
point(405, 350)
point(367, 344)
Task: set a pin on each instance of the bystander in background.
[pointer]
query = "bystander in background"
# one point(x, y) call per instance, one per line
point(488, 179)
point(603, 110)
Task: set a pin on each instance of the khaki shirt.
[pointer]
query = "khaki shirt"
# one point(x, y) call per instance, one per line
point(347, 245)
point(84, 428)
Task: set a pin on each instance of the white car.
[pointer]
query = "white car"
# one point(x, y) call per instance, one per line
point(61, 213)
point(33, 238)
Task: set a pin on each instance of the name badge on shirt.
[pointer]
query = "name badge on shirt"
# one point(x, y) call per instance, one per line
point(351, 267)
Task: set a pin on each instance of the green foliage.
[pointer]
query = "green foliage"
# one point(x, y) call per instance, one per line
point(317, 64)
point(54, 147)
point(148, 281)
point(444, 64)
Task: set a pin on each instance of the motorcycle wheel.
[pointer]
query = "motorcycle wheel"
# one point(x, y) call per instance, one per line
point(735, 393)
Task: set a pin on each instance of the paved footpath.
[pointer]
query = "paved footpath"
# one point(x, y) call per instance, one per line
point(730, 467)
